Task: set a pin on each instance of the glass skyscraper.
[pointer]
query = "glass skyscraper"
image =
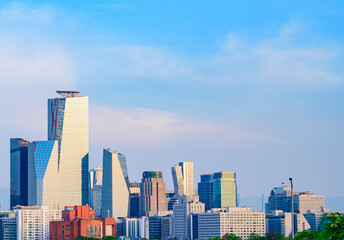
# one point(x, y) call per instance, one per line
point(205, 190)
point(68, 124)
point(225, 190)
point(115, 200)
point(43, 174)
point(19, 171)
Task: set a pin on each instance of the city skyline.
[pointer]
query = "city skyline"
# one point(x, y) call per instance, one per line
point(203, 83)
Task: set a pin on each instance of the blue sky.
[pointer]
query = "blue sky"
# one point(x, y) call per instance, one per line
point(254, 87)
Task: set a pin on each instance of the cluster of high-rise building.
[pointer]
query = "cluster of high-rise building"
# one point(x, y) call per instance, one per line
point(308, 211)
point(55, 195)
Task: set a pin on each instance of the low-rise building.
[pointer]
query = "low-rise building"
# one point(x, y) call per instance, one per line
point(81, 221)
point(240, 221)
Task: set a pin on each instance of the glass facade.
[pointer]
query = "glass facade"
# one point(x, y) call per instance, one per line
point(19, 172)
point(43, 174)
point(115, 199)
point(68, 124)
point(205, 190)
point(224, 190)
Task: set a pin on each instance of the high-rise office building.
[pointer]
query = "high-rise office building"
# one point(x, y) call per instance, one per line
point(115, 201)
point(19, 172)
point(304, 201)
point(178, 180)
point(182, 216)
point(95, 189)
point(43, 174)
point(153, 193)
point(225, 190)
point(68, 124)
point(182, 176)
point(205, 190)
point(187, 169)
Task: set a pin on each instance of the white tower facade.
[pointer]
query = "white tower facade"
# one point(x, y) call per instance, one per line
point(68, 124)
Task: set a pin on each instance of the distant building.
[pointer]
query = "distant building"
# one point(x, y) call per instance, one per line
point(8, 226)
point(19, 172)
point(28, 222)
point(68, 125)
point(183, 178)
point(304, 201)
point(115, 201)
point(315, 220)
point(241, 222)
point(43, 178)
point(224, 190)
point(182, 219)
point(166, 227)
point(95, 190)
point(155, 227)
point(205, 190)
point(153, 193)
point(132, 228)
point(80, 221)
point(134, 189)
point(279, 222)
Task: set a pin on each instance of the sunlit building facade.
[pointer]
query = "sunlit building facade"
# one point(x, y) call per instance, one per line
point(43, 174)
point(68, 124)
point(115, 200)
point(224, 190)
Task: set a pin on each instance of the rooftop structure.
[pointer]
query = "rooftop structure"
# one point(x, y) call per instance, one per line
point(67, 94)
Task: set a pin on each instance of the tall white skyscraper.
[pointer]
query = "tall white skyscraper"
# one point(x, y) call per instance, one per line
point(187, 168)
point(183, 178)
point(115, 200)
point(43, 174)
point(68, 124)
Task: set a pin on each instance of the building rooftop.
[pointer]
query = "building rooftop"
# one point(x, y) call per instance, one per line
point(67, 94)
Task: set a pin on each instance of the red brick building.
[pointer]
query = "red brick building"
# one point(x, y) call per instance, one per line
point(81, 221)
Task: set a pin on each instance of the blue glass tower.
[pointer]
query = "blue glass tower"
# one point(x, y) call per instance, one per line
point(205, 190)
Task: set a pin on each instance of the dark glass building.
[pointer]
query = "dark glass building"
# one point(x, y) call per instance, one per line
point(205, 190)
point(19, 172)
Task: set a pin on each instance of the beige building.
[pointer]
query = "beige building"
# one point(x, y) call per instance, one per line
point(68, 124)
point(240, 221)
point(309, 203)
point(153, 193)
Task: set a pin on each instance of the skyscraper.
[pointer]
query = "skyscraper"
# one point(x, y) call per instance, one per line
point(205, 190)
point(187, 169)
point(43, 174)
point(178, 181)
point(95, 189)
point(182, 176)
point(19, 171)
point(68, 124)
point(115, 201)
point(153, 193)
point(225, 190)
